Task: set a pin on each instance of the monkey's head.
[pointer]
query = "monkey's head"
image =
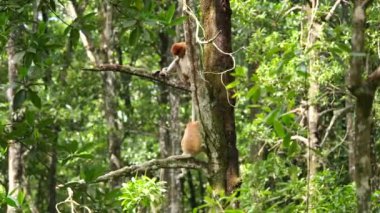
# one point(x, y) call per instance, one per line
point(179, 49)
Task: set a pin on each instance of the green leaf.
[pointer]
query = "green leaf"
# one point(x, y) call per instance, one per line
point(23, 71)
point(67, 30)
point(139, 4)
point(31, 50)
point(10, 201)
point(254, 93)
point(19, 99)
point(30, 116)
point(28, 59)
point(271, 116)
point(294, 148)
point(279, 129)
point(20, 197)
point(134, 37)
point(88, 16)
point(85, 155)
point(170, 13)
point(52, 5)
point(177, 21)
point(3, 192)
point(129, 23)
point(34, 98)
point(74, 36)
point(232, 84)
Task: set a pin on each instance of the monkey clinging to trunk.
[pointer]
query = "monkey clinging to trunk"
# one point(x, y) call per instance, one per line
point(191, 143)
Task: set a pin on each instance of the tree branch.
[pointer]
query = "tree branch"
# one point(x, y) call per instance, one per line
point(175, 161)
point(300, 138)
point(331, 12)
point(140, 72)
point(337, 114)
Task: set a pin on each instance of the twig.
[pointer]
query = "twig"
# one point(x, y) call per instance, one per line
point(337, 114)
point(292, 9)
point(341, 142)
point(140, 72)
point(300, 138)
point(69, 200)
point(331, 12)
point(325, 112)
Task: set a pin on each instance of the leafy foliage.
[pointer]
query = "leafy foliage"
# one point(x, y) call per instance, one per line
point(143, 191)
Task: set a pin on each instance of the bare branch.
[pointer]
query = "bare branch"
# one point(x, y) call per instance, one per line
point(300, 138)
point(337, 114)
point(291, 10)
point(175, 161)
point(87, 43)
point(331, 12)
point(140, 72)
point(325, 112)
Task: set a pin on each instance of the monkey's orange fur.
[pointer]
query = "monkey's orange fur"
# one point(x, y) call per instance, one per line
point(191, 141)
point(179, 49)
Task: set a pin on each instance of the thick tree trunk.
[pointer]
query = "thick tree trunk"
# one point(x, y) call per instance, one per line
point(214, 102)
point(362, 151)
point(15, 150)
point(364, 92)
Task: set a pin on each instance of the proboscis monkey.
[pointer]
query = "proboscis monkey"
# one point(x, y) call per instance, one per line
point(181, 63)
point(191, 143)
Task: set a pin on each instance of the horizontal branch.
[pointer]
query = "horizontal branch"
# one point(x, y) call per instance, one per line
point(172, 162)
point(140, 72)
point(300, 138)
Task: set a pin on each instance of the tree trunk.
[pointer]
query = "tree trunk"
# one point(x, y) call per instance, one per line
point(15, 150)
point(109, 93)
point(109, 84)
point(52, 179)
point(169, 129)
point(214, 103)
point(313, 35)
point(193, 196)
point(350, 140)
point(364, 92)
